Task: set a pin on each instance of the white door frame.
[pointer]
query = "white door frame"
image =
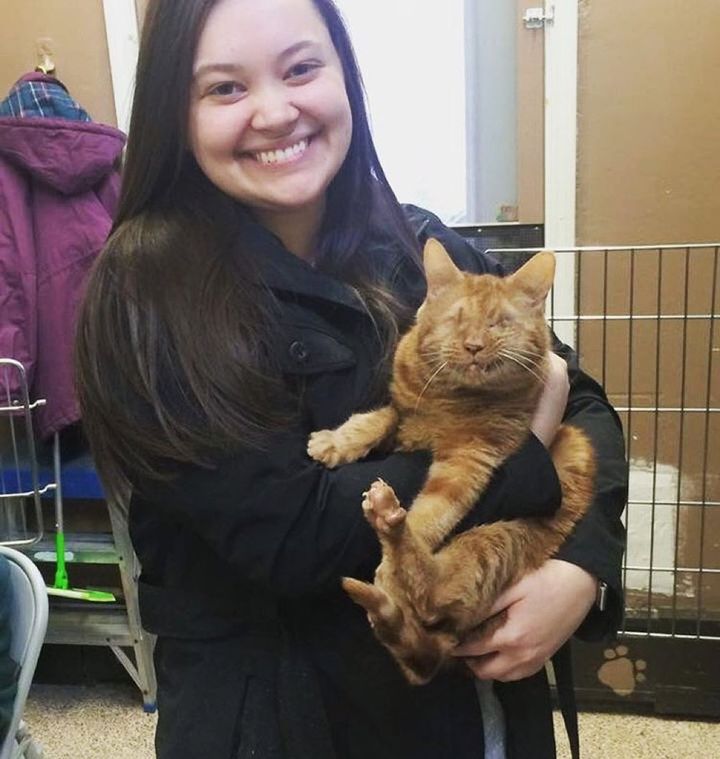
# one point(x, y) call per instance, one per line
point(561, 77)
point(561, 83)
point(121, 31)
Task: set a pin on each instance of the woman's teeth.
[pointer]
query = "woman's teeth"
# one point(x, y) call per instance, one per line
point(282, 156)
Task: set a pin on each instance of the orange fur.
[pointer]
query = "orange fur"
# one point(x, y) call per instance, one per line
point(466, 381)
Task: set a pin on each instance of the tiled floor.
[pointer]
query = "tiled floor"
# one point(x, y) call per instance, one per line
point(107, 722)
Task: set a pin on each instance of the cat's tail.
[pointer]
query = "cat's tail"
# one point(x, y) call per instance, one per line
point(419, 653)
point(574, 459)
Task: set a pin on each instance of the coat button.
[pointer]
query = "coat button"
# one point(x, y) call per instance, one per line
point(298, 351)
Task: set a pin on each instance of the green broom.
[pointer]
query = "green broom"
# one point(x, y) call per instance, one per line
point(61, 586)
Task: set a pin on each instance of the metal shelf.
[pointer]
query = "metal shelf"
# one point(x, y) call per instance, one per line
point(90, 625)
point(80, 548)
point(117, 626)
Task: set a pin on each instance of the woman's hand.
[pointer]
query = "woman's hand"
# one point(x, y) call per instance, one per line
point(552, 403)
point(541, 612)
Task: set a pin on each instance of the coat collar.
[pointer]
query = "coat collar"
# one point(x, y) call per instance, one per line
point(281, 270)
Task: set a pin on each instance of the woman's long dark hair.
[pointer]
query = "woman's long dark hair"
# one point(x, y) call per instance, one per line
point(172, 351)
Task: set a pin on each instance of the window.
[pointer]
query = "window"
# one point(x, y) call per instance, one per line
point(441, 84)
point(412, 56)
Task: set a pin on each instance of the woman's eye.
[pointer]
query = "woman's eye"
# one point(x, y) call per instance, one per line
point(302, 70)
point(226, 89)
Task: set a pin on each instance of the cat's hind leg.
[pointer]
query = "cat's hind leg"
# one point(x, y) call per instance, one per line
point(404, 564)
point(354, 439)
point(452, 486)
point(419, 653)
point(407, 565)
point(384, 512)
point(475, 567)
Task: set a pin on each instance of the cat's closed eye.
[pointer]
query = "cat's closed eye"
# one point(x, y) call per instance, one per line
point(500, 322)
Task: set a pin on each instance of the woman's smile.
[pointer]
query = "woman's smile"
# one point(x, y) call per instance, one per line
point(287, 153)
point(282, 156)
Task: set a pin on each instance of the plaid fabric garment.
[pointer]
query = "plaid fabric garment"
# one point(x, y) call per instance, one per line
point(42, 99)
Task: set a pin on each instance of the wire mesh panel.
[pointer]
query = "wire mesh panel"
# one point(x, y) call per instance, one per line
point(645, 327)
point(19, 479)
point(644, 324)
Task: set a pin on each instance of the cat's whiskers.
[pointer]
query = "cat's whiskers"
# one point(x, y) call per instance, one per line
point(427, 384)
point(525, 352)
point(523, 361)
point(433, 355)
point(527, 368)
point(531, 355)
point(528, 353)
point(528, 356)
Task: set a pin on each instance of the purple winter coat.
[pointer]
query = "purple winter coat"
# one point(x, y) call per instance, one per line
point(58, 192)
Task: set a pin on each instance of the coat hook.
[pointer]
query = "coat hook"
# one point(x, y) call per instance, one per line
point(45, 62)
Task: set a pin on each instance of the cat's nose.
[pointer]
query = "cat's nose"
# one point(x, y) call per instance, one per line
point(474, 346)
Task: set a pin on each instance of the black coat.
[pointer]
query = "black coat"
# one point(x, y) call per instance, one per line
point(259, 652)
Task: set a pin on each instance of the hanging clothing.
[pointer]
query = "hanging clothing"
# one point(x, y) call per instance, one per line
point(43, 96)
point(59, 186)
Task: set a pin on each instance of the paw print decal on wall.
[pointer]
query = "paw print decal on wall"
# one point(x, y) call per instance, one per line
point(619, 672)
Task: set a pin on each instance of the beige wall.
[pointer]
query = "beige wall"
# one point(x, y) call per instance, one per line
point(649, 113)
point(649, 172)
point(76, 29)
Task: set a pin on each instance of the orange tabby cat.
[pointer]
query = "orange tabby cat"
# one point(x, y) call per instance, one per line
point(466, 381)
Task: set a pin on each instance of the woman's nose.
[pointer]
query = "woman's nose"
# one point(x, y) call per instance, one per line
point(273, 110)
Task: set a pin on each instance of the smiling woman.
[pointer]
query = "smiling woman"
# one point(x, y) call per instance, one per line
point(257, 278)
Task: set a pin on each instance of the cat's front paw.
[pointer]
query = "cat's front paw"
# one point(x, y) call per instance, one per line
point(322, 447)
point(383, 510)
point(334, 447)
point(326, 446)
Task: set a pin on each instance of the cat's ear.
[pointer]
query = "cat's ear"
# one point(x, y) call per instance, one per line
point(440, 271)
point(535, 278)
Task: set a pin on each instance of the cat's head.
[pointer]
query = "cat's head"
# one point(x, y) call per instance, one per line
point(488, 331)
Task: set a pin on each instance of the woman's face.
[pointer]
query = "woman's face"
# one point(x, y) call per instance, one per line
point(270, 121)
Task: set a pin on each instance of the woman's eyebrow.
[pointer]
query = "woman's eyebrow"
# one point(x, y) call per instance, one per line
point(297, 47)
point(232, 68)
point(224, 68)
